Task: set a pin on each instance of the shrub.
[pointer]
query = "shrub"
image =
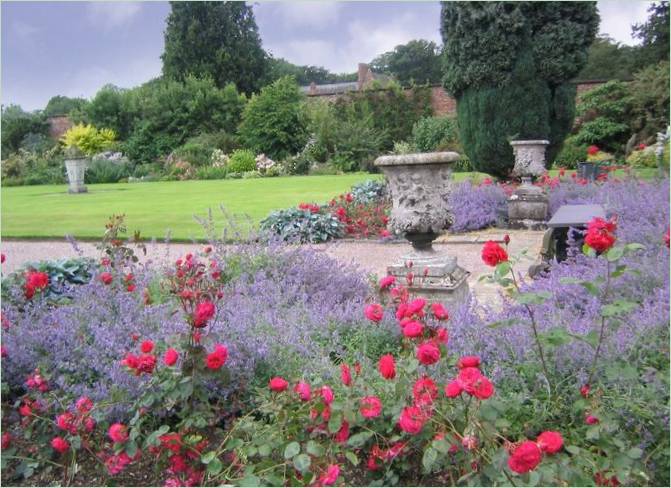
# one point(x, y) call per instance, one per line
point(16, 125)
point(571, 154)
point(29, 168)
point(297, 165)
point(650, 101)
point(241, 160)
point(103, 171)
point(358, 141)
point(297, 225)
point(211, 173)
point(195, 153)
point(476, 206)
point(369, 191)
point(88, 140)
point(272, 122)
point(435, 134)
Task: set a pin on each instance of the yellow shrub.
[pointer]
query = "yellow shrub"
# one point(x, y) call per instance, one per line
point(88, 139)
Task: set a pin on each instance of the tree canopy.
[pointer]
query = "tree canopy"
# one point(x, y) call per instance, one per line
point(417, 61)
point(214, 39)
point(654, 35)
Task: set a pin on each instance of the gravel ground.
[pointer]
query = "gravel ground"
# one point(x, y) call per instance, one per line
point(370, 256)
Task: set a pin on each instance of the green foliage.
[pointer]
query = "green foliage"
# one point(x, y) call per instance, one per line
point(16, 125)
point(61, 105)
point(219, 40)
point(520, 89)
point(416, 62)
point(296, 225)
point(607, 59)
point(194, 152)
point(654, 35)
point(435, 134)
point(110, 108)
point(603, 113)
point(369, 191)
point(571, 154)
point(103, 171)
point(241, 161)
point(280, 67)
point(650, 101)
point(171, 112)
point(645, 158)
point(87, 139)
point(31, 168)
point(358, 141)
point(211, 173)
point(272, 122)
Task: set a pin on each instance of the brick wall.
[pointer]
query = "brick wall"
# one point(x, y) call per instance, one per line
point(58, 124)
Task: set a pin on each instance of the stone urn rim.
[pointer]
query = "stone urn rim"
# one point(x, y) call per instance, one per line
point(529, 142)
point(417, 159)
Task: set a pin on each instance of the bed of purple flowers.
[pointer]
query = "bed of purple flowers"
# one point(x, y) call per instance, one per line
point(291, 312)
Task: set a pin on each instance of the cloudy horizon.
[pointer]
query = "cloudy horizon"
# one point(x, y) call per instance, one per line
point(74, 48)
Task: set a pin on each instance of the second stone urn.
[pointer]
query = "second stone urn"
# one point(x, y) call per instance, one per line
point(420, 185)
point(528, 205)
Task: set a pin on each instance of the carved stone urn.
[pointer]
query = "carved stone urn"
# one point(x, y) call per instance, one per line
point(420, 185)
point(76, 169)
point(528, 205)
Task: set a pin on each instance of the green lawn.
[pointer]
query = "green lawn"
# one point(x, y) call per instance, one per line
point(155, 208)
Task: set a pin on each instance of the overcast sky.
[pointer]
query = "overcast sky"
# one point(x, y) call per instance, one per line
point(74, 48)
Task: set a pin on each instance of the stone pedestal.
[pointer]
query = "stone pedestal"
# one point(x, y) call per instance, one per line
point(420, 185)
point(76, 168)
point(528, 205)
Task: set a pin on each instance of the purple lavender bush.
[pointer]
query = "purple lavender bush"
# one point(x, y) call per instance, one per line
point(475, 206)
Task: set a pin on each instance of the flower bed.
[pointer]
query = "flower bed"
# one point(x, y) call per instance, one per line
point(274, 365)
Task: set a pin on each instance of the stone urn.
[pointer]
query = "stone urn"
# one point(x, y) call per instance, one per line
point(528, 205)
point(420, 185)
point(76, 169)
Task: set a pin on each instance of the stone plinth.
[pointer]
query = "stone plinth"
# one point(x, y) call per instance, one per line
point(420, 185)
point(528, 205)
point(76, 168)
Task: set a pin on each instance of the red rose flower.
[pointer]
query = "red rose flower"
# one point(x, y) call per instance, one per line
point(591, 419)
point(387, 281)
point(592, 150)
point(170, 357)
point(387, 367)
point(411, 420)
point(413, 329)
point(439, 311)
point(331, 476)
point(146, 364)
point(118, 433)
point(525, 457)
point(468, 362)
point(374, 312)
point(60, 445)
point(371, 406)
point(468, 377)
point(483, 388)
point(428, 353)
point(600, 234)
point(147, 346)
point(550, 442)
point(204, 312)
point(6, 437)
point(343, 433)
point(493, 254)
point(106, 277)
point(416, 307)
point(84, 404)
point(215, 360)
point(89, 424)
point(2, 261)
point(453, 389)
point(345, 375)
point(441, 335)
point(584, 390)
point(278, 384)
point(424, 391)
point(66, 421)
point(469, 442)
point(303, 390)
point(327, 394)
point(667, 237)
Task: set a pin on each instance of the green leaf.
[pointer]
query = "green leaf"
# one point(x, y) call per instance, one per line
point(614, 254)
point(131, 449)
point(441, 445)
point(250, 480)
point(502, 323)
point(215, 466)
point(264, 450)
point(208, 457)
point(314, 449)
point(618, 307)
point(619, 271)
point(358, 440)
point(634, 246)
point(352, 458)
point(555, 337)
point(429, 458)
point(302, 462)
point(567, 280)
point(588, 251)
point(291, 450)
point(534, 478)
point(635, 453)
point(573, 449)
point(533, 298)
point(334, 423)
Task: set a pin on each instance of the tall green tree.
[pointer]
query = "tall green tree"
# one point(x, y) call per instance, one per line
point(509, 64)
point(219, 40)
point(417, 61)
point(62, 105)
point(654, 35)
point(607, 59)
point(17, 124)
point(305, 74)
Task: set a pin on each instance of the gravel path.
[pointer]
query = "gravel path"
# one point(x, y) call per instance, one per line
point(370, 256)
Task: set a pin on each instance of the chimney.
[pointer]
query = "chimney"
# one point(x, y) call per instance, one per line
point(363, 74)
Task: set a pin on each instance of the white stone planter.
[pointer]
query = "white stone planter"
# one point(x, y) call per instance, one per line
point(76, 169)
point(420, 186)
point(529, 157)
point(528, 205)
